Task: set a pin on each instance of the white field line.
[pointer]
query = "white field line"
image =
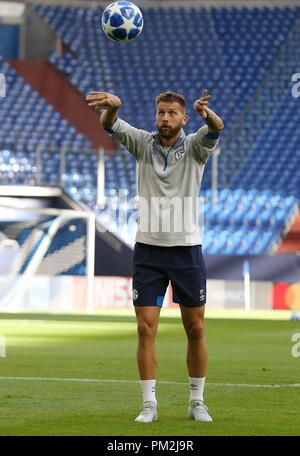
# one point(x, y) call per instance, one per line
point(97, 380)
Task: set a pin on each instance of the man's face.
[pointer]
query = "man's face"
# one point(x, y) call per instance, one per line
point(170, 117)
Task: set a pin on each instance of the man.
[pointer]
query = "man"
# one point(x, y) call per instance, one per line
point(170, 169)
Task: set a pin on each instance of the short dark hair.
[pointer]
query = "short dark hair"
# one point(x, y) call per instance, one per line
point(171, 97)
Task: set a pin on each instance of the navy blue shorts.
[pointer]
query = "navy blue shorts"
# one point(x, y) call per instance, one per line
point(155, 266)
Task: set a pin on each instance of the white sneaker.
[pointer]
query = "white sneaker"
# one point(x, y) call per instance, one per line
point(198, 411)
point(148, 413)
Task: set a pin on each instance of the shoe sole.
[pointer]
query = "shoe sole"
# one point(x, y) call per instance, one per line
point(154, 419)
point(202, 421)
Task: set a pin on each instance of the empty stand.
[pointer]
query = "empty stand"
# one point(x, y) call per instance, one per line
point(244, 56)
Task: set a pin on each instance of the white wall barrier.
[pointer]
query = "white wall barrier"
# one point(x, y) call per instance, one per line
point(68, 294)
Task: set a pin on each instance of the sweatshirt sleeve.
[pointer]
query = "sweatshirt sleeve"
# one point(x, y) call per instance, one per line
point(202, 143)
point(132, 138)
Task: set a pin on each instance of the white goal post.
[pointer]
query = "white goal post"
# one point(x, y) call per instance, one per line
point(59, 218)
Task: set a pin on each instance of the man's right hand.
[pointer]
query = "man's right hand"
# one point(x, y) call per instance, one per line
point(107, 101)
point(103, 100)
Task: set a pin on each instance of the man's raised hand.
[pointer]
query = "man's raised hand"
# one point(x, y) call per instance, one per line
point(201, 104)
point(212, 120)
point(103, 100)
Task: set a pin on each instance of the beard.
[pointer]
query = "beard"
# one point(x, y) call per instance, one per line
point(168, 132)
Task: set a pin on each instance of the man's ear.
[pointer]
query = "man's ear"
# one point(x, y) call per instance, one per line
point(185, 119)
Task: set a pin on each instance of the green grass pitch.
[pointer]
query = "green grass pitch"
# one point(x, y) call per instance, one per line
point(90, 378)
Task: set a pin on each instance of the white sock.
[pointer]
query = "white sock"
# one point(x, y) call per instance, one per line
point(148, 390)
point(196, 388)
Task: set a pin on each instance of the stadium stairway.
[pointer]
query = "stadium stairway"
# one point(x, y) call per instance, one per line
point(64, 98)
point(291, 241)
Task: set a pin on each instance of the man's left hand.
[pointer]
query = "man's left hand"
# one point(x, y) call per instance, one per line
point(212, 120)
point(200, 105)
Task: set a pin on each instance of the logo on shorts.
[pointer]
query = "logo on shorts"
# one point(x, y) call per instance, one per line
point(135, 294)
point(202, 294)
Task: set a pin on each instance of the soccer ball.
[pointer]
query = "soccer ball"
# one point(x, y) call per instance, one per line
point(122, 21)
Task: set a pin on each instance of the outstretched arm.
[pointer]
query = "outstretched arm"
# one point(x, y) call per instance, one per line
point(213, 121)
point(107, 101)
point(132, 138)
